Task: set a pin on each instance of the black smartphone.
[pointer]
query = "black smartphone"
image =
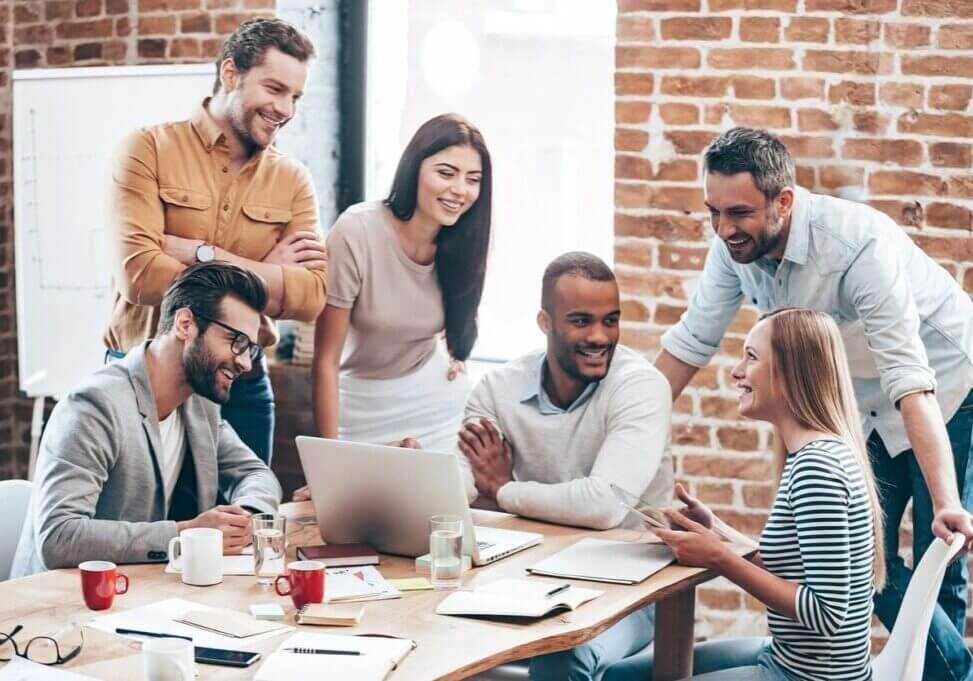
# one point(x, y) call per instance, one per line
point(226, 658)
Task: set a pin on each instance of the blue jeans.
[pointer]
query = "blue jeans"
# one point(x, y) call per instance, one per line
point(627, 636)
point(899, 479)
point(742, 656)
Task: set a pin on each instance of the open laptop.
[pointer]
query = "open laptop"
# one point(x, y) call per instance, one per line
point(384, 496)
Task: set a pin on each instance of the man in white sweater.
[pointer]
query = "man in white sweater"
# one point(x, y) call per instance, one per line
point(545, 435)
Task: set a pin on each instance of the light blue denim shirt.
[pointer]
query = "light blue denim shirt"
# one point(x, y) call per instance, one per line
point(907, 325)
point(534, 389)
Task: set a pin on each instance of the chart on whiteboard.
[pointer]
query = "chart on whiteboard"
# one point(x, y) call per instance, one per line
point(65, 140)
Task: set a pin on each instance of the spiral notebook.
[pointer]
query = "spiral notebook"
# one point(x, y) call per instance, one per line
point(378, 657)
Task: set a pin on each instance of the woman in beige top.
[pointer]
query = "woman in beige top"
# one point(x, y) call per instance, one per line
point(403, 271)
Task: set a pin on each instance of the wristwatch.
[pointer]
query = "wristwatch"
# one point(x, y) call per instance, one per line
point(205, 253)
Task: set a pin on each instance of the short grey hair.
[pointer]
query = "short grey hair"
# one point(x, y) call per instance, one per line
point(758, 152)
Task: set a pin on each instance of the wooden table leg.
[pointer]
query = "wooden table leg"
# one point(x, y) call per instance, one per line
point(674, 619)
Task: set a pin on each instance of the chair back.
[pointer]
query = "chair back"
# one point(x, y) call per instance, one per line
point(14, 500)
point(904, 653)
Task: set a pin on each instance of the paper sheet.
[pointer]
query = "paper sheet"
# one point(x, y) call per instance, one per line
point(19, 669)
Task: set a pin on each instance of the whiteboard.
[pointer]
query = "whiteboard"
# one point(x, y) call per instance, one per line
point(67, 125)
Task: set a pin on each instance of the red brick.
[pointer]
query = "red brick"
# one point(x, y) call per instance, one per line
point(195, 23)
point(960, 186)
point(629, 167)
point(758, 496)
point(946, 125)
point(715, 493)
point(950, 155)
point(116, 7)
point(58, 9)
point(938, 8)
point(968, 287)
point(652, 283)
point(634, 29)
point(959, 67)
point(726, 466)
point(634, 83)
point(956, 36)
point(227, 23)
point(856, 31)
point(701, 86)
point(949, 215)
point(907, 183)
point(84, 51)
point(805, 177)
point(681, 257)
point(769, 58)
point(815, 120)
point(167, 5)
point(634, 311)
point(88, 8)
point(26, 59)
point(646, 341)
point(638, 254)
point(626, 139)
point(690, 141)
point(945, 248)
point(152, 48)
point(720, 408)
point(259, 4)
point(656, 57)
point(834, 177)
point(807, 30)
point(667, 315)
point(900, 152)
point(661, 227)
point(34, 34)
point(761, 116)
point(157, 25)
point(744, 320)
point(632, 112)
point(955, 97)
point(679, 170)
point(858, 94)
point(632, 196)
point(802, 88)
point(59, 55)
point(114, 51)
point(770, 5)
point(716, 114)
point(658, 6)
point(835, 61)
point(695, 28)
point(670, 197)
point(100, 28)
point(684, 434)
point(679, 114)
point(901, 94)
point(809, 147)
point(184, 48)
point(683, 403)
point(123, 27)
point(751, 87)
point(908, 36)
point(760, 29)
point(27, 13)
point(852, 6)
point(211, 47)
point(870, 122)
point(907, 213)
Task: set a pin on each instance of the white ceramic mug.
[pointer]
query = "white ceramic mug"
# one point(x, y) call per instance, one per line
point(198, 554)
point(168, 659)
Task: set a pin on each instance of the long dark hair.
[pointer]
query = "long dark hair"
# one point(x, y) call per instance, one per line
point(461, 250)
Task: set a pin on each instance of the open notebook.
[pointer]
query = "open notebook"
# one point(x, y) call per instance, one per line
point(602, 560)
point(379, 656)
point(515, 598)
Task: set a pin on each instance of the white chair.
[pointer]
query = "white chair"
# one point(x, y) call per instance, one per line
point(905, 652)
point(14, 499)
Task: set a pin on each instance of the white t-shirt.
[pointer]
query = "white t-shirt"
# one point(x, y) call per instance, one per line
point(172, 433)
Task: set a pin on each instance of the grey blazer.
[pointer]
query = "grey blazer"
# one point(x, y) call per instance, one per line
point(98, 490)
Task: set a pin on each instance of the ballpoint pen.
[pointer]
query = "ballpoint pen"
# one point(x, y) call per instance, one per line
point(321, 651)
point(557, 590)
point(153, 634)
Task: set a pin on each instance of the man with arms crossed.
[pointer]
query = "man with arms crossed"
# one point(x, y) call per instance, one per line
point(546, 434)
point(138, 452)
point(213, 188)
point(908, 330)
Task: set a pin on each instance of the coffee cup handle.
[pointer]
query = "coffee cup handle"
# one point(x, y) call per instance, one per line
point(121, 579)
point(277, 582)
point(175, 553)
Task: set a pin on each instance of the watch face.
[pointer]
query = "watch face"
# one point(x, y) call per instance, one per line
point(205, 253)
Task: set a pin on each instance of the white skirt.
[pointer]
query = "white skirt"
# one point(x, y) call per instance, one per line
point(424, 405)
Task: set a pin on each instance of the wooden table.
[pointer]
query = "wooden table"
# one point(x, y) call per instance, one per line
point(448, 647)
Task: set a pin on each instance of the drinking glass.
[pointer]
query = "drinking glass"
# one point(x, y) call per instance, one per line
point(269, 543)
point(445, 551)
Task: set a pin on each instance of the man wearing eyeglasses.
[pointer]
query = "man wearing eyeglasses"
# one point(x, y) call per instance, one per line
point(138, 452)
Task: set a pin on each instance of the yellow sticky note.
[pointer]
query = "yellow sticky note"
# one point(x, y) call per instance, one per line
point(411, 584)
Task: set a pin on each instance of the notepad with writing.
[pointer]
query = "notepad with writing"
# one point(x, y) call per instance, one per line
point(515, 598)
point(379, 656)
point(602, 560)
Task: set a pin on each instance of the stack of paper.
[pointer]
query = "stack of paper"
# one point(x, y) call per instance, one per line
point(375, 589)
point(600, 560)
point(515, 598)
point(377, 658)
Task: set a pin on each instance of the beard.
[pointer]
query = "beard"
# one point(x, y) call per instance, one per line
point(241, 122)
point(566, 356)
point(200, 368)
point(767, 241)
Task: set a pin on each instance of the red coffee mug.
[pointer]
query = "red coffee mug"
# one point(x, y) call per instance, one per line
point(100, 581)
point(305, 582)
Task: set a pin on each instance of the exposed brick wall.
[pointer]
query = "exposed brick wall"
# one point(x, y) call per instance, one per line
point(873, 99)
point(56, 33)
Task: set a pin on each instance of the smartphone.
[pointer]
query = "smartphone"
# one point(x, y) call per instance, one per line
point(225, 658)
point(652, 517)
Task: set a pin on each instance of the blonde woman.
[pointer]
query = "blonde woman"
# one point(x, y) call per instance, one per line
point(820, 557)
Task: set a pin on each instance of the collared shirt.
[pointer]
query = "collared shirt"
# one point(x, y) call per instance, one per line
point(907, 325)
point(174, 179)
point(535, 390)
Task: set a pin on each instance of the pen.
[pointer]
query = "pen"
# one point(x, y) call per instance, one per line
point(557, 590)
point(321, 651)
point(153, 634)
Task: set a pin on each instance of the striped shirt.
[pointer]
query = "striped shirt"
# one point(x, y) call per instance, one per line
point(819, 535)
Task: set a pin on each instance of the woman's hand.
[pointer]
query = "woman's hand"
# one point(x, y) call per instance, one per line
point(695, 509)
point(302, 494)
point(456, 368)
point(693, 544)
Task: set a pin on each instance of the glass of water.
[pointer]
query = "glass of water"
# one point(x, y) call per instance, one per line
point(269, 543)
point(445, 551)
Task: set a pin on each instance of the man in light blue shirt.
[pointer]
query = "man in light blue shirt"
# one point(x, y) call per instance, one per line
point(908, 330)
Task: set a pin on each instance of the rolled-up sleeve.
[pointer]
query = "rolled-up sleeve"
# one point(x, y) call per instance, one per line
point(696, 337)
point(305, 290)
point(141, 268)
point(876, 286)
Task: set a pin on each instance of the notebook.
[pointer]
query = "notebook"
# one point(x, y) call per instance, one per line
point(323, 614)
point(378, 588)
point(515, 598)
point(339, 555)
point(229, 622)
point(602, 560)
point(379, 656)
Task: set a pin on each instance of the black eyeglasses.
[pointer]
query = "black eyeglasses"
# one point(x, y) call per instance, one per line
point(240, 343)
point(40, 649)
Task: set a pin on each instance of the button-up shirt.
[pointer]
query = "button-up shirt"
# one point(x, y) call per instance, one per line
point(175, 179)
point(907, 325)
point(545, 405)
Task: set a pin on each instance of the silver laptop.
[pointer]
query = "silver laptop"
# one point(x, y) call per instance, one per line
point(384, 496)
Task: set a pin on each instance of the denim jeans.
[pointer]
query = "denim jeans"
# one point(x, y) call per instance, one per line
point(588, 660)
point(724, 659)
point(899, 479)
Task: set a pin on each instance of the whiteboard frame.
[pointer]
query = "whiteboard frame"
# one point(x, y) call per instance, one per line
point(113, 71)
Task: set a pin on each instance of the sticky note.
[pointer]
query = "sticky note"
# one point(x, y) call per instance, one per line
point(267, 611)
point(411, 584)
